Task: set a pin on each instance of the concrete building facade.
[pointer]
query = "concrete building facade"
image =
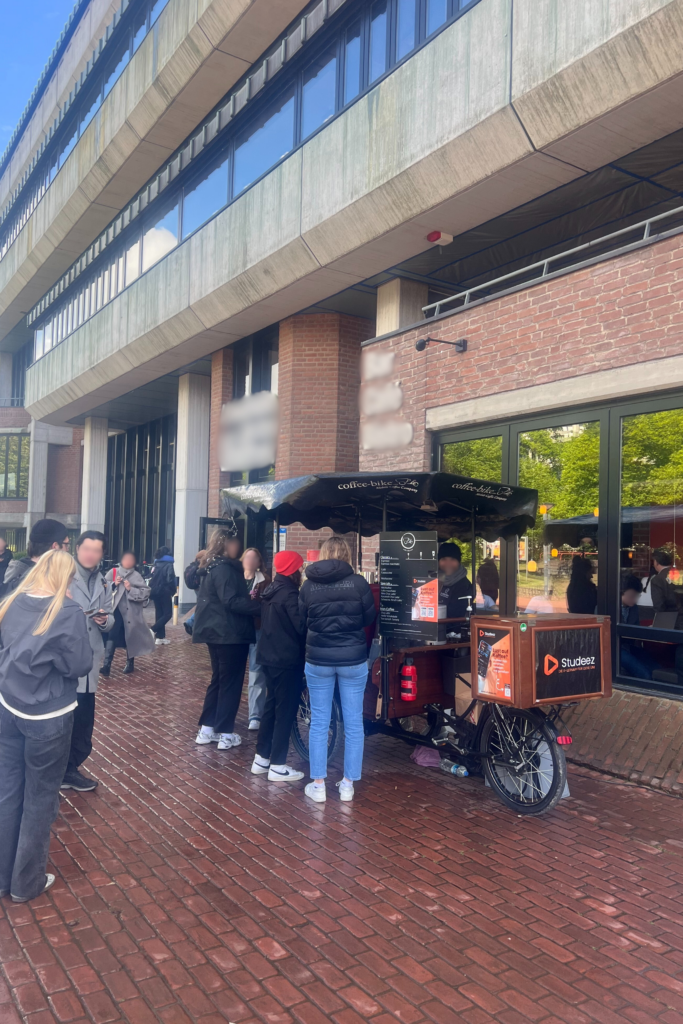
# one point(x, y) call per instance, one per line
point(206, 201)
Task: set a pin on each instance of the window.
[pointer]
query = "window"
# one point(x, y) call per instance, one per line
point(90, 113)
point(406, 31)
point(115, 69)
point(378, 39)
point(132, 259)
point(437, 12)
point(68, 146)
point(14, 462)
point(265, 142)
point(352, 65)
point(139, 29)
point(205, 197)
point(319, 93)
point(157, 8)
point(558, 559)
point(160, 238)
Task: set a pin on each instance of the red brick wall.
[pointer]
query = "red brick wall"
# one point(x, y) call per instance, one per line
point(17, 506)
point(64, 476)
point(318, 388)
point(10, 417)
point(221, 392)
point(617, 313)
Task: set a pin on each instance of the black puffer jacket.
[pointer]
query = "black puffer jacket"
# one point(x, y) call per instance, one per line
point(282, 640)
point(225, 613)
point(336, 605)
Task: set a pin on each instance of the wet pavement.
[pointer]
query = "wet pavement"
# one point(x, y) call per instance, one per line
point(189, 890)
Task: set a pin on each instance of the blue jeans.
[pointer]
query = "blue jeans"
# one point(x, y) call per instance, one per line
point(321, 680)
point(257, 684)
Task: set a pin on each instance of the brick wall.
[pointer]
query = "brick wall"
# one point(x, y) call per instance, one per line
point(16, 506)
point(613, 314)
point(318, 387)
point(64, 476)
point(221, 392)
point(10, 417)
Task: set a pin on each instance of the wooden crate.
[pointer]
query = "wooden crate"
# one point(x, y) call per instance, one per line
point(529, 660)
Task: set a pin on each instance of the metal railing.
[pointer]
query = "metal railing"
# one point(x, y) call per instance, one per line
point(12, 403)
point(502, 284)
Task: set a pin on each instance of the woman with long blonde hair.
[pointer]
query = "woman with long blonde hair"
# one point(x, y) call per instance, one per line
point(335, 605)
point(45, 648)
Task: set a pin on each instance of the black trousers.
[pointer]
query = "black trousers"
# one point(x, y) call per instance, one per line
point(283, 691)
point(33, 757)
point(163, 606)
point(228, 662)
point(81, 736)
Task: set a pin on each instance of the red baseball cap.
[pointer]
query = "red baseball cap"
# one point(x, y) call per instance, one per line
point(287, 562)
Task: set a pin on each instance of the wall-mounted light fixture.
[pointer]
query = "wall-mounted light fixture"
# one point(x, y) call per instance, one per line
point(460, 345)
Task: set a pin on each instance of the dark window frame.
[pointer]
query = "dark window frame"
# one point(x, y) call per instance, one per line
point(23, 464)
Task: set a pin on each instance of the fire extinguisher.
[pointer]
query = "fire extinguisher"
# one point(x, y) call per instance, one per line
point(408, 680)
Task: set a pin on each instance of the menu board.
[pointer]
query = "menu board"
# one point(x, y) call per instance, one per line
point(494, 662)
point(409, 588)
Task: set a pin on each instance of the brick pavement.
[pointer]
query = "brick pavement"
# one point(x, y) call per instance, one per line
point(191, 891)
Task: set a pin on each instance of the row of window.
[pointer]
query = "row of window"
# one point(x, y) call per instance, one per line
point(14, 460)
point(374, 39)
point(103, 83)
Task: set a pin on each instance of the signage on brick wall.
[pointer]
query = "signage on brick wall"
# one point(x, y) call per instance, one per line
point(248, 433)
point(381, 399)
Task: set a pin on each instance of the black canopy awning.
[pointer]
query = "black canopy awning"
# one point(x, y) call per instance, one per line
point(414, 501)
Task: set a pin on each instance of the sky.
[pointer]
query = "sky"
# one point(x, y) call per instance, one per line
point(29, 30)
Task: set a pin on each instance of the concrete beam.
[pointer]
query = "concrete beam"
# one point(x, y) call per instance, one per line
point(399, 303)
point(192, 473)
point(94, 495)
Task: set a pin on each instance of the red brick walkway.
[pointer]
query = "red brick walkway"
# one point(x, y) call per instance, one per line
point(191, 891)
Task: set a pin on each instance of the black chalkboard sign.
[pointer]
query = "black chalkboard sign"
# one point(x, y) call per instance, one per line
point(409, 588)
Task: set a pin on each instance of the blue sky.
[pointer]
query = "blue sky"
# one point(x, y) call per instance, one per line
point(30, 29)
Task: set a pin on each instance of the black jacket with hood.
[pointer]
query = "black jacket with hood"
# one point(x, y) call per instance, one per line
point(39, 674)
point(13, 574)
point(283, 639)
point(225, 613)
point(336, 605)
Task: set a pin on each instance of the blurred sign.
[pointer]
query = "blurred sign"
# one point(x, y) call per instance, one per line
point(248, 433)
point(380, 402)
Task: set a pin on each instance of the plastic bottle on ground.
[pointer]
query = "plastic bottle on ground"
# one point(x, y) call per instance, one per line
point(452, 768)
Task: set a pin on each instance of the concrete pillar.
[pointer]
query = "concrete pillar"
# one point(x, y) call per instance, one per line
point(319, 377)
point(399, 303)
point(192, 473)
point(6, 379)
point(37, 476)
point(94, 499)
point(221, 392)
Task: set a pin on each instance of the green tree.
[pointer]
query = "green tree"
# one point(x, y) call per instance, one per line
point(481, 458)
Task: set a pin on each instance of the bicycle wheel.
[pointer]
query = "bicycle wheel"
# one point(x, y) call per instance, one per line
point(302, 726)
point(534, 777)
point(426, 726)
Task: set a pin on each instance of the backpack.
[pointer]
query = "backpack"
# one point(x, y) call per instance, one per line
point(162, 580)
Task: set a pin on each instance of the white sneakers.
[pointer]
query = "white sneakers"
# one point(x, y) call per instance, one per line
point(254, 724)
point(260, 765)
point(229, 740)
point(316, 791)
point(345, 790)
point(283, 773)
point(160, 643)
point(207, 735)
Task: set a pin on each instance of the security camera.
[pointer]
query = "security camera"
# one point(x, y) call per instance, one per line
point(421, 344)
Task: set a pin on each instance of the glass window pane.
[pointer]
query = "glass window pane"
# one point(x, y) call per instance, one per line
point(352, 63)
point(115, 70)
point(23, 471)
point(378, 39)
point(3, 465)
point(90, 112)
point(481, 458)
point(39, 343)
point(265, 142)
point(156, 10)
point(68, 146)
point(159, 238)
point(405, 30)
point(558, 559)
point(319, 93)
point(139, 30)
point(436, 14)
point(132, 261)
point(12, 465)
point(205, 197)
point(651, 546)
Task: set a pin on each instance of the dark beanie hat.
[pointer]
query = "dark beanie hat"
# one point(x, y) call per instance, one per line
point(450, 550)
point(48, 531)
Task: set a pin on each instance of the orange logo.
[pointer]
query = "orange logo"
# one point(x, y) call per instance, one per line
point(550, 664)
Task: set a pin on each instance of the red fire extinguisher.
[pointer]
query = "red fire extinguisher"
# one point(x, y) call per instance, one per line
point(408, 680)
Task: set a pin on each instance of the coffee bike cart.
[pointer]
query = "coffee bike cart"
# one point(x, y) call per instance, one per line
point(518, 672)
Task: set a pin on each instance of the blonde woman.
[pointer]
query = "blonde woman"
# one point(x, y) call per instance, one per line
point(335, 606)
point(45, 648)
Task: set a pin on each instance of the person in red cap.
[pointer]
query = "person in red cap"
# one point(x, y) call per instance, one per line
point(280, 653)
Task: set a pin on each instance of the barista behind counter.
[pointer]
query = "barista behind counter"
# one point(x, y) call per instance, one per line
point(455, 589)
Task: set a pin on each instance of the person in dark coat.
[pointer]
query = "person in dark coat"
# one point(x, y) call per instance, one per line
point(582, 593)
point(45, 648)
point(192, 581)
point(280, 656)
point(45, 535)
point(455, 589)
point(662, 594)
point(633, 659)
point(162, 587)
point(6, 557)
point(224, 621)
point(336, 605)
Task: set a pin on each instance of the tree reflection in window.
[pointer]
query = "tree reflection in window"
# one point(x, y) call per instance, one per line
point(14, 463)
